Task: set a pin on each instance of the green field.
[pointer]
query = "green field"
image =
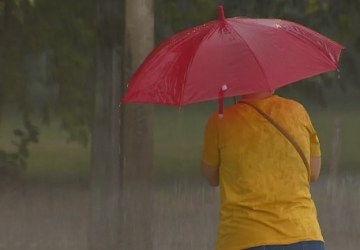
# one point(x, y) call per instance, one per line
point(178, 135)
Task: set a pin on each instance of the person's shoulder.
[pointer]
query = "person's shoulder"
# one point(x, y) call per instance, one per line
point(290, 103)
point(296, 109)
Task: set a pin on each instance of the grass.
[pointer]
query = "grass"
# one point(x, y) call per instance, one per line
point(178, 139)
point(178, 135)
point(59, 162)
point(52, 159)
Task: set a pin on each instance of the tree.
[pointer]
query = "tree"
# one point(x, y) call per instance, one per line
point(106, 166)
point(11, 52)
point(46, 62)
point(138, 133)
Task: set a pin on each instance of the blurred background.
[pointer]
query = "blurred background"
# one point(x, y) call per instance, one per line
point(63, 184)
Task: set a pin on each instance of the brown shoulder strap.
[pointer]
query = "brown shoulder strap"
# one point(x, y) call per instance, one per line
point(283, 131)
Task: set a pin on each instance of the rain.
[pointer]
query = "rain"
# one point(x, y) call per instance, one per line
point(80, 170)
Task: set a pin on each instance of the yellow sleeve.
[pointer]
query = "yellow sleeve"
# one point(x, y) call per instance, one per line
point(314, 145)
point(211, 154)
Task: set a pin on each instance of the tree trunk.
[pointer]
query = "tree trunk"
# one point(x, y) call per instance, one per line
point(138, 133)
point(106, 168)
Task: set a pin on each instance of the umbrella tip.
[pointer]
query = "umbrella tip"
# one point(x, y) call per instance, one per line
point(221, 12)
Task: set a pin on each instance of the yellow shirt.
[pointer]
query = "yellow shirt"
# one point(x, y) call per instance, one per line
point(264, 184)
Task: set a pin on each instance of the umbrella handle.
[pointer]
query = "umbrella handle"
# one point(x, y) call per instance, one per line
point(221, 100)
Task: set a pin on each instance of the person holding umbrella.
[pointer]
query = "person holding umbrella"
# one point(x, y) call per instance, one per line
point(263, 151)
point(263, 177)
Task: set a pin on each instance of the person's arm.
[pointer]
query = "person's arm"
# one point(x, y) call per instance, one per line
point(210, 173)
point(315, 151)
point(315, 166)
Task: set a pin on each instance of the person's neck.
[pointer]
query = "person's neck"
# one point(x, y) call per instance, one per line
point(260, 95)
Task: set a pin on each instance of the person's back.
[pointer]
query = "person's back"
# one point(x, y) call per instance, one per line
point(264, 183)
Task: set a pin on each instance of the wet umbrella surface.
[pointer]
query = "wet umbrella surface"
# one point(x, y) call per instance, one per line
point(231, 57)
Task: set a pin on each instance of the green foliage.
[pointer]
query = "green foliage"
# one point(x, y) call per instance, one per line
point(57, 39)
point(12, 164)
point(175, 15)
point(47, 51)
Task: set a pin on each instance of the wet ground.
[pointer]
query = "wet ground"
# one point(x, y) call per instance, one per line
point(55, 217)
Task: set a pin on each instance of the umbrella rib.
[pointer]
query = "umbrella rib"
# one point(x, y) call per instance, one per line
point(191, 59)
point(302, 37)
point(253, 54)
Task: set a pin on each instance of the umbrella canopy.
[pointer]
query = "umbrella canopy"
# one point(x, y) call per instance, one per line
point(230, 57)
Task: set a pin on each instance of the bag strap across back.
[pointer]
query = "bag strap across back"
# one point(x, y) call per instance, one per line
point(282, 131)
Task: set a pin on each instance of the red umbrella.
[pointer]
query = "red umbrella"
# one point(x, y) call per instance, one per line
point(238, 55)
